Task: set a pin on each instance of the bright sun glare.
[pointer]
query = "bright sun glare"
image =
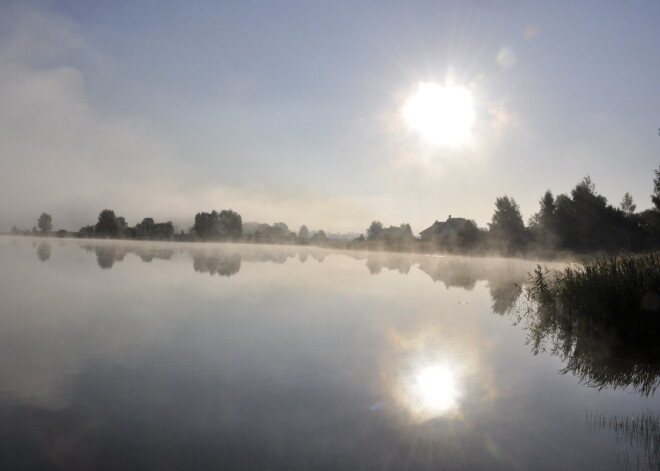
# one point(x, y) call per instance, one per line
point(441, 114)
point(435, 389)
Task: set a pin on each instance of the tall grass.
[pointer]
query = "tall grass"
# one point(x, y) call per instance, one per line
point(603, 318)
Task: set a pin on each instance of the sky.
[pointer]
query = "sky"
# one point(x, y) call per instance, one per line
point(294, 111)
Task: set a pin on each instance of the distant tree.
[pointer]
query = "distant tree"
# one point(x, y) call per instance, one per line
point(86, 231)
point(468, 235)
point(319, 237)
point(587, 223)
point(230, 224)
point(145, 229)
point(14, 230)
point(303, 232)
point(214, 225)
point(122, 225)
point(206, 225)
point(655, 197)
point(45, 222)
point(407, 230)
point(627, 205)
point(282, 229)
point(543, 224)
point(107, 225)
point(374, 230)
point(163, 230)
point(507, 227)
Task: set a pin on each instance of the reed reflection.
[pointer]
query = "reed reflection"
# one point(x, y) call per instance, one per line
point(600, 355)
point(638, 435)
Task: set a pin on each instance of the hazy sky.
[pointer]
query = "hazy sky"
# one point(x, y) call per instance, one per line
point(292, 111)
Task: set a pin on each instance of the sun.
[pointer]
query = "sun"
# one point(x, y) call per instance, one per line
point(442, 114)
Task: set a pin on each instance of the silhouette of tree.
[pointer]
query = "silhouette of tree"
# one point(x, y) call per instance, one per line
point(145, 229)
point(107, 224)
point(627, 205)
point(45, 222)
point(214, 225)
point(231, 224)
point(507, 227)
point(319, 237)
point(206, 225)
point(468, 235)
point(543, 224)
point(86, 231)
point(655, 197)
point(282, 229)
point(374, 230)
point(303, 232)
point(405, 227)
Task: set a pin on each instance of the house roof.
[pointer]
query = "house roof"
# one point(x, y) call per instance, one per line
point(450, 226)
point(435, 228)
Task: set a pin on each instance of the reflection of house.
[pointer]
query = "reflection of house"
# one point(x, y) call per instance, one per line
point(443, 229)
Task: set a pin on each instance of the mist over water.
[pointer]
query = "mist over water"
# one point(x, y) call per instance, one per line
point(125, 355)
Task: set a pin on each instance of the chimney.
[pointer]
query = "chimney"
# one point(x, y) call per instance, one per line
point(449, 217)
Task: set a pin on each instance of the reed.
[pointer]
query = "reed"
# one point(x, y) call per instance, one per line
point(602, 317)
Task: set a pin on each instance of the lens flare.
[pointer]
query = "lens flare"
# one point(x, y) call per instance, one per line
point(506, 58)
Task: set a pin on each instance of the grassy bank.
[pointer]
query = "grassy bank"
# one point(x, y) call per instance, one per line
point(603, 318)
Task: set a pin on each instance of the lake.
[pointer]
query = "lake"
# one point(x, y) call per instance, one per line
point(136, 355)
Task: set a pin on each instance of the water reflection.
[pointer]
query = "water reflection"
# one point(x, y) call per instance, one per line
point(306, 366)
point(108, 254)
point(44, 250)
point(433, 389)
point(503, 277)
point(635, 434)
point(217, 262)
point(599, 356)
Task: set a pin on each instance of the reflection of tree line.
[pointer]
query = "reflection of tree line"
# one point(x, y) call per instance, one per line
point(43, 251)
point(224, 261)
point(107, 255)
point(601, 357)
point(503, 276)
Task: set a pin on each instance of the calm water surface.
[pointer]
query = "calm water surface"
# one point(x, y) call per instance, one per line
point(203, 356)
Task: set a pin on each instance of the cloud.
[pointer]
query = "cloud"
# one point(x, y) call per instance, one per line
point(62, 155)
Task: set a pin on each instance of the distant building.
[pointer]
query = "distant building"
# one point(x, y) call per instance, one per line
point(443, 229)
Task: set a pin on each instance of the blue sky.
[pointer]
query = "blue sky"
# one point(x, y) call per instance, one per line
point(291, 111)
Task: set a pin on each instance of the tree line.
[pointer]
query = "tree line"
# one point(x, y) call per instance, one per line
point(581, 221)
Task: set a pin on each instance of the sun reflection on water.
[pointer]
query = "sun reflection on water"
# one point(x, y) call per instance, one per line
point(427, 373)
point(434, 389)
